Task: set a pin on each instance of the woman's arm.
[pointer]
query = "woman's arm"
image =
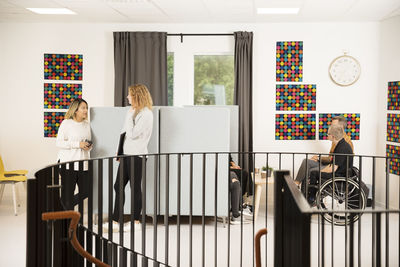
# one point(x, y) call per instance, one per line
point(62, 140)
point(142, 124)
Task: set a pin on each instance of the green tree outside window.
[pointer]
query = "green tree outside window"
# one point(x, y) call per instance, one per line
point(170, 78)
point(213, 80)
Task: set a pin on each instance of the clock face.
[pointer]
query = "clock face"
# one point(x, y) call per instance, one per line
point(344, 70)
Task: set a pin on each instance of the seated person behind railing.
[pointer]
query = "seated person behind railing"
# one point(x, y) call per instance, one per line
point(340, 163)
point(243, 178)
point(236, 201)
point(313, 164)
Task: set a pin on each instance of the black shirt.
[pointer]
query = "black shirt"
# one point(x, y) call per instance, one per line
point(342, 147)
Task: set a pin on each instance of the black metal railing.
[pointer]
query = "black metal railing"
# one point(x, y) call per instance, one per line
point(186, 210)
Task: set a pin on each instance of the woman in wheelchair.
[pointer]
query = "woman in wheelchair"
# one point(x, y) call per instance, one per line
point(341, 192)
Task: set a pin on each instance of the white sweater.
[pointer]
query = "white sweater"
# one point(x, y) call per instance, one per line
point(138, 131)
point(70, 134)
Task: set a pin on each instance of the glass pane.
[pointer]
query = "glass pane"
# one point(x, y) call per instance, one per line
point(170, 78)
point(213, 80)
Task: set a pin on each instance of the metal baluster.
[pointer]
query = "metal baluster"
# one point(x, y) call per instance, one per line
point(99, 253)
point(191, 213)
point(178, 224)
point(215, 209)
point(166, 223)
point(203, 205)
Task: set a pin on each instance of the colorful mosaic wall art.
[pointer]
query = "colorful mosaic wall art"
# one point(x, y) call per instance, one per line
point(353, 124)
point(60, 95)
point(394, 163)
point(393, 128)
point(393, 96)
point(289, 61)
point(63, 67)
point(296, 97)
point(52, 121)
point(295, 127)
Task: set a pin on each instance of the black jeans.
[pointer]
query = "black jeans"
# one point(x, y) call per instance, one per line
point(234, 187)
point(246, 183)
point(137, 186)
point(69, 179)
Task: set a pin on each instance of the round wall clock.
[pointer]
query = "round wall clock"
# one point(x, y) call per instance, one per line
point(345, 70)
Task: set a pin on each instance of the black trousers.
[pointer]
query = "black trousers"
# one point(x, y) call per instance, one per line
point(137, 187)
point(69, 180)
point(246, 183)
point(314, 179)
point(236, 199)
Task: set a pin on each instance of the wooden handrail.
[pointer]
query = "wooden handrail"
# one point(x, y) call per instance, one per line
point(259, 234)
point(74, 216)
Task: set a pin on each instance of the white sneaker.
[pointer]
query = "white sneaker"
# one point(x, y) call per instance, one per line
point(247, 213)
point(238, 220)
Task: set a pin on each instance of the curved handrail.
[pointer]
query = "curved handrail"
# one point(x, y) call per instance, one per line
point(259, 234)
point(218, 152)
point(74, 216)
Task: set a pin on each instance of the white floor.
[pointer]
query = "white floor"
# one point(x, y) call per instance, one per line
point(13, 239)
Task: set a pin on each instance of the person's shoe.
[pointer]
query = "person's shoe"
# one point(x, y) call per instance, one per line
point(238, 220)
point(247, 213)
point(115, 227)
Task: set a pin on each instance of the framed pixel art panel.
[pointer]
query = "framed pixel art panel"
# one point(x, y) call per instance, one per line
point(63, 67)
point(393, 128)
point(353, 124)
point(60, 95)
point(296, 97)
point(52, 121)
point(295, 127)
point(289, 61)
point(393, 96)
point(394, 163)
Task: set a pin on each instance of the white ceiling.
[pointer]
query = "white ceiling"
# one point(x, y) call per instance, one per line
point(204, 11)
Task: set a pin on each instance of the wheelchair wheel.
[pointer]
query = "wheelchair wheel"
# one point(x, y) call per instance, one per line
point(332, 196)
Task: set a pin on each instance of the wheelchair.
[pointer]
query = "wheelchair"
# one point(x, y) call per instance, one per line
point(331, 195)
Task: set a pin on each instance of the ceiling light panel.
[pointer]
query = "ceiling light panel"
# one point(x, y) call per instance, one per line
point(278, 10)
point(52, 11)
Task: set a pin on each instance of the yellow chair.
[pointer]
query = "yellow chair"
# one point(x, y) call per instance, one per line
point(11, 177)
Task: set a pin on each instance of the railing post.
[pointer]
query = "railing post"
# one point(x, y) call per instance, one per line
point(292, 226)
point(279, 220)
point(32, 239)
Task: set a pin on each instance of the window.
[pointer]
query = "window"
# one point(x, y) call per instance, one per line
point(170, 78)
point(213, 79)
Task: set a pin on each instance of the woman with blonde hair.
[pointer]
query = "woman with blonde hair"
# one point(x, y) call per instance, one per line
point(135, 136)
point(73, 140)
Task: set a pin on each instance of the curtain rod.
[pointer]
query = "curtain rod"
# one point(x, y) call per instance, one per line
point(199, 34)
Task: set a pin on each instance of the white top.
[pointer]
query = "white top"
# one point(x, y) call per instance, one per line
point(138, 131)
point(70, 134)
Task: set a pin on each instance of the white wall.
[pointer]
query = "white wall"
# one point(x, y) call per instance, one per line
point(389, 71)
point(22, 46)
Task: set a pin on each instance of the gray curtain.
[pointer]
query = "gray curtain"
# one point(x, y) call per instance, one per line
point(140, 57)
point(244, 94)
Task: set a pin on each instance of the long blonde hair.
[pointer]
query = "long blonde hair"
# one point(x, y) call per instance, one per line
point(141, 97)
point(73, 108)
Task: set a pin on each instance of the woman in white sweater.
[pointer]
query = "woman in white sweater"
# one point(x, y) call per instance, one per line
point(135, 136)
point(73, 141)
